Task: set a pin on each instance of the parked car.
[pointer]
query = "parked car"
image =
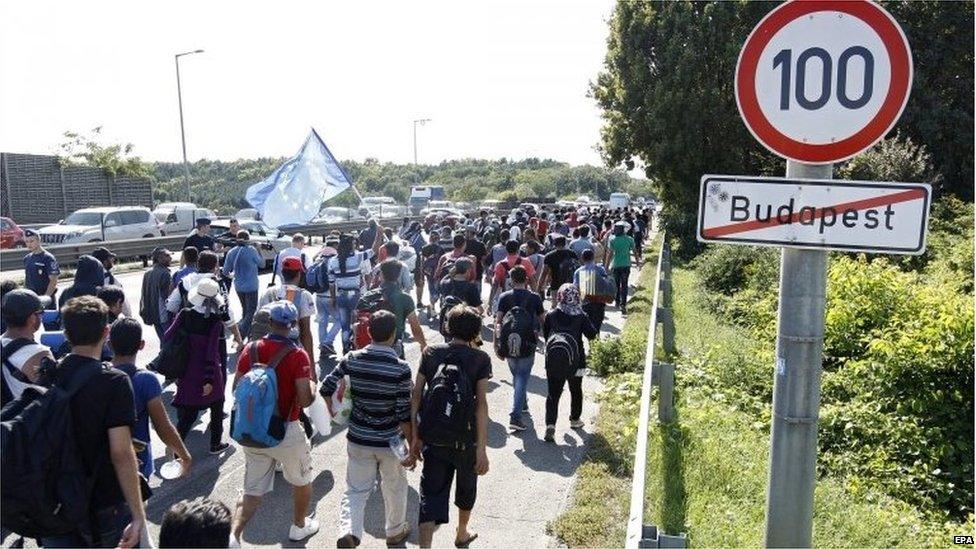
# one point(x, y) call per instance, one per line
point(11, 236)
point(442, 216)
point(103, 224)
point(337, 214)
point(269, 241)
point(179, 217)
point(490, 205)
point(247, 213)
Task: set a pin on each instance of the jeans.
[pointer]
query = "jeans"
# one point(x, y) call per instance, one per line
point(621, 276)
point(596, 312)
point(346, 308)
point(186, 416)
point(249, 304)
point(327, 314)
point(110, 523)
point(521, 369)
point(360, 479)
point(556, 384)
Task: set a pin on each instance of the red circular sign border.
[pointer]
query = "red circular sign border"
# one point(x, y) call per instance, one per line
point(895, 42)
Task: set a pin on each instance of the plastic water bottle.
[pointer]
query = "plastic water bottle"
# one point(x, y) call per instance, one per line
point(399, 446)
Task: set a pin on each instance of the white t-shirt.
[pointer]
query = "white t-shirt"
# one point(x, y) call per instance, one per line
point(354, 268)
point(292, 252)
point(305, 305)
point(18, 359)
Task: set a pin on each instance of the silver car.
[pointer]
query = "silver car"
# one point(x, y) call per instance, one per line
point(103, 224)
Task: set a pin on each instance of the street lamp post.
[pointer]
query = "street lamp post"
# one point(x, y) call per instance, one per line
point(421, 121)
point(179, 97)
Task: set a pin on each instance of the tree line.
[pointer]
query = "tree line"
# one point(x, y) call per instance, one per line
point(221, 185)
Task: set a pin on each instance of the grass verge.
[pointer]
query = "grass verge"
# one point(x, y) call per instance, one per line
point(707, 471)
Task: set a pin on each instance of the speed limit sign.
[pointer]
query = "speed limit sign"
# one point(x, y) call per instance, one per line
point(820, 81)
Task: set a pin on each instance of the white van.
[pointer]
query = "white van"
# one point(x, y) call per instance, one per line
point(619, 200)
point(180, 217)
point(102, 224)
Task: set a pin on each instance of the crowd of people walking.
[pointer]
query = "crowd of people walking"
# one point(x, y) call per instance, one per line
point(535, 283)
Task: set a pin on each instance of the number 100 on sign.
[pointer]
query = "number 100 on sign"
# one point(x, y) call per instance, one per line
point(818, 82)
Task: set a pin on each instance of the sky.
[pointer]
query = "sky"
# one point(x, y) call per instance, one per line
point(496, 78)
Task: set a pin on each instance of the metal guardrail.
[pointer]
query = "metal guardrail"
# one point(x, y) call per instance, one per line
point(661, 374)
point(140, 248)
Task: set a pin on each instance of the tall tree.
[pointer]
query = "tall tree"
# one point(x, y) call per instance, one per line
point(667, 96)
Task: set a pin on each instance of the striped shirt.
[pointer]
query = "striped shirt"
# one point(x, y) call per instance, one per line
point(380, 389)
point(348, 279)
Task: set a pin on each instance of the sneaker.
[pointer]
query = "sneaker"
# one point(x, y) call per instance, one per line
point(577, 424)
point(550, 433)
point(296, 533)
point(350, 540)
point(234, 543)
point(219, 448)
point(516, 425)
point(397, 540)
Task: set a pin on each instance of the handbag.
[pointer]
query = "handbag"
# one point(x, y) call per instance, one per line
point(597, 288)
point(173, 351)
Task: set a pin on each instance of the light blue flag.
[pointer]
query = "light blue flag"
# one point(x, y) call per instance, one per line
point(295, 191)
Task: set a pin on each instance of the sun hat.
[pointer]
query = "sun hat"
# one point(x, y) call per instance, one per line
point(206, 288)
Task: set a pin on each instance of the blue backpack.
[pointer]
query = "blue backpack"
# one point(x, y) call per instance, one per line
point(255, 421)
point(317, 277)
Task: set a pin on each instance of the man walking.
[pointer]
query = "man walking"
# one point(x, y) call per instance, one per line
point(103, 414)
point(374, 422)
point(242, 263)
point(520, 366)
point(155, 288)
point(295, 391)
point(41, 269)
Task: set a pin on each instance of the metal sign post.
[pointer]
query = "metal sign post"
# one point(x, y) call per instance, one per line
point(796, 387)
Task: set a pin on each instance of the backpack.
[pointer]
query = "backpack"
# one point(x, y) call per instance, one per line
point(562, 354)
point(173, 352)
point(370, 302)
point(255, 421)
point(317, 277)
point(447, 408)
point(516, 336)
point(46, 487)
point(261, 321)
point(6, 395)
point(448, 302)
point(567, 267)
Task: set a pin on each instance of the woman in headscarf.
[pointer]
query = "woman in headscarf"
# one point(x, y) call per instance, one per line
point(89, 276)
point(568, 320)
point(202, 385)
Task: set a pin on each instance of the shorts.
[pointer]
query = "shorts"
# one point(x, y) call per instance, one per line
point(440, 466)
point(295, 455)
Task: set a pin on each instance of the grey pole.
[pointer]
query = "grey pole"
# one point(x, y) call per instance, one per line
point(179, 97)
point(796, 387)
point(415, 142)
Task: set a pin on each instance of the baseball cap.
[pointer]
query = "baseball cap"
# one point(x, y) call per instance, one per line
point(20, 302)
point(102, 253)
point(203, 221)
point(292, 264)
point(283, 312)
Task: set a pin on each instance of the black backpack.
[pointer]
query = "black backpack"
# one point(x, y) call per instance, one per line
point(448, 302)
point(447, 409)
point(562, 354)
point(46, 488)
point(174, 353)
point(567, 267)
point(516, 338)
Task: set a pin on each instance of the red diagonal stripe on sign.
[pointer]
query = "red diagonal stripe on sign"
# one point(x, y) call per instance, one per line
point(745, 226)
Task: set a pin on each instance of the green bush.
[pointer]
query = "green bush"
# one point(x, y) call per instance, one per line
point(727, 269)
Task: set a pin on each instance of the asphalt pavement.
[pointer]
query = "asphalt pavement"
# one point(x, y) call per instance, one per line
point(528, 484)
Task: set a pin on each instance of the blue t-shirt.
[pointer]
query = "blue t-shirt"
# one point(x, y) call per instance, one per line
point(38, 267)
point(178, 275)
point(244, 262)
point(145, 387)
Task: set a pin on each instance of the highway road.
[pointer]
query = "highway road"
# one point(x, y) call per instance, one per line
point(528, 484)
